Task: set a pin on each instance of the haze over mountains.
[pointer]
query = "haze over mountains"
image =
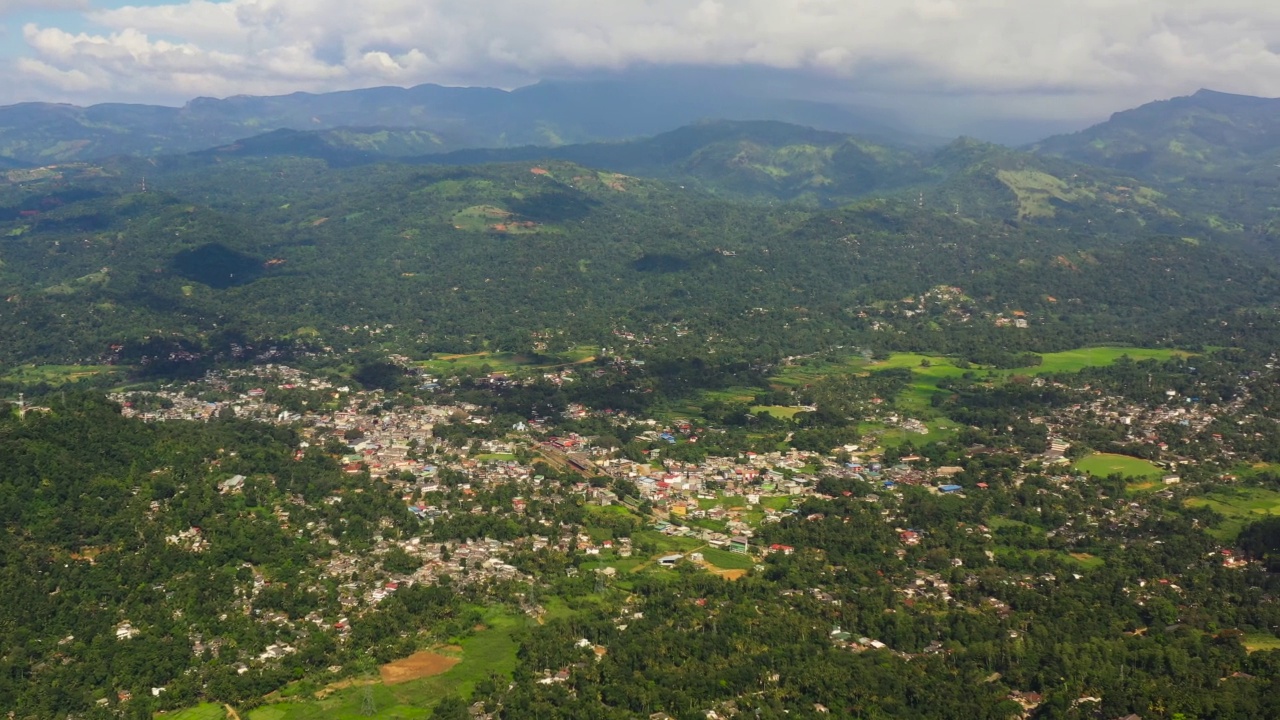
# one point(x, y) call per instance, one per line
point(551, 113)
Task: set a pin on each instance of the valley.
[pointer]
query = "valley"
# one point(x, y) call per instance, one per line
point(738, 419)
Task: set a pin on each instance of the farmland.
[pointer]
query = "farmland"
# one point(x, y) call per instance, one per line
point(55, 374)
point(491, 650)
point(1238, 506)
point(207, 711)
point(502, 362)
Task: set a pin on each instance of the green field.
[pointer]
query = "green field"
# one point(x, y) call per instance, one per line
point(506, 362)
point(495, 457)
point(1077, 360)
point(1106, 464)
point(207, 711)
point(726, 560)
point(665, 543)
point(1239, 506)
point(779, 503)
point(490, 650)
point(1255, 642)
point(927, 371)
point(811, 371)
point(778, 411)
point(1085, 561)
point(55, 374)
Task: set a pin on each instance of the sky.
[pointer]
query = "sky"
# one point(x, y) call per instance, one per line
point(1052, 59)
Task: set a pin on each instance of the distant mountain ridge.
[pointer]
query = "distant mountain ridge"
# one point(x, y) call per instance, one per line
point(445, 118)
point(1206, 134)
point(779, 162)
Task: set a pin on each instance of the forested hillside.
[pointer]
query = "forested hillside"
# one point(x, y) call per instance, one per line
point(741, 420)
point(498, 256)
point(416, 120)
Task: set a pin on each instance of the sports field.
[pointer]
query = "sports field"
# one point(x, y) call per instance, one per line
point(1107, 464)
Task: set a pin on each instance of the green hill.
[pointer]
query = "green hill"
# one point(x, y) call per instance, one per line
point(466, 258)
point(406, 121)
point(1205, 134)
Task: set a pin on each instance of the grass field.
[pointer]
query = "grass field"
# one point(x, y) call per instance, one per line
point(1239, 506)
point(1077, 360)
point(1084, 561)
point(506, 362)
point(726, 560)
point(925, 377)
point(1106, 464)
point(489, 218)
point(207, 711)
point(779, 503)
point(490, 650)
point(55, 374)
point(665, 543)
point(778, 411)
point(927, 371)
point(1255, 642)
point(1256, 469)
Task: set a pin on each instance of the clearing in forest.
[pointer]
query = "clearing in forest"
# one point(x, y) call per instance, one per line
point(490, 218)
point(1238, 506)
point(417, 665)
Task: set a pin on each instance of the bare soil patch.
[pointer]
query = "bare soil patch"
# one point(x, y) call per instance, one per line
point(417, 665)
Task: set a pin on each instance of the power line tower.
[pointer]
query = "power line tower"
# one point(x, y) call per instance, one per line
point(368, 707)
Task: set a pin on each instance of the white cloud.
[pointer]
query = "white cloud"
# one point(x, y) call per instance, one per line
point(1138, 48)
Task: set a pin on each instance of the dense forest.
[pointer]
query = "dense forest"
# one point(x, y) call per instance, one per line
point(296, 253)
point(206, 515)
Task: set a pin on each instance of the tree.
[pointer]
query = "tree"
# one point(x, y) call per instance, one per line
point(452, 707)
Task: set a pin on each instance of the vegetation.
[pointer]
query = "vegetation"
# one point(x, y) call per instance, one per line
point(1106, 464)
point(896, 350)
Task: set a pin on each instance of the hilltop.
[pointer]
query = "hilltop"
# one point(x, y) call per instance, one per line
point(417, 120)
point(1201, 135)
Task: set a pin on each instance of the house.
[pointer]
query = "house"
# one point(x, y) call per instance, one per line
point(670, 560)
point(948, 489)
point(784, 549)
point(739, 544)
point(232, 485)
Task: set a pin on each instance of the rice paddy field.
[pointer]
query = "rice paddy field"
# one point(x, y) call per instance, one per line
point(1238, 506)
point(499, 362)
point(55, 374)
point(206, 711)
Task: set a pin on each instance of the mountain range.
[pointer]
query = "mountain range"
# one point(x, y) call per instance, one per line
point(747, 234)
point(441, 118)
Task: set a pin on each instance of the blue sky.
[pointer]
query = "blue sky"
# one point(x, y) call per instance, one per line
point(11, 23)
